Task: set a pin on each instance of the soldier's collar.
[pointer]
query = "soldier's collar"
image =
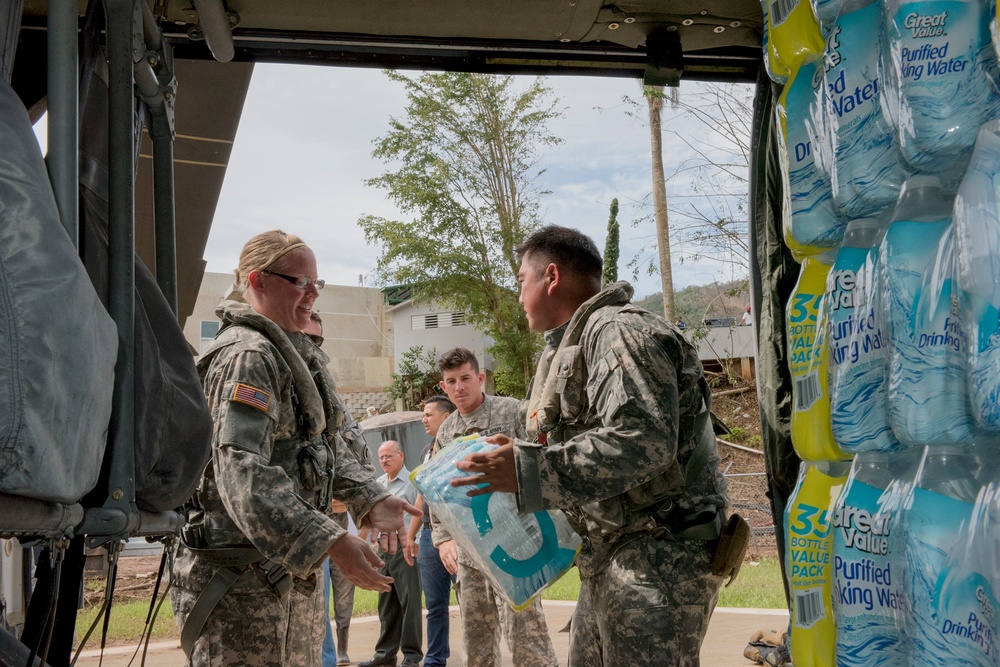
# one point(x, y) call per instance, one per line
point(554, 336)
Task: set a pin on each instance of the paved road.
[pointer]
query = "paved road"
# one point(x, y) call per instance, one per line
point(727, 636)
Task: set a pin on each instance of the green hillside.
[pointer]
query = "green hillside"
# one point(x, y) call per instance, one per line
point(700, 302)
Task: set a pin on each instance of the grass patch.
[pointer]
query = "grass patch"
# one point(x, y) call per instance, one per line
point(567, 587)
point(126, 623)
point(759, 585)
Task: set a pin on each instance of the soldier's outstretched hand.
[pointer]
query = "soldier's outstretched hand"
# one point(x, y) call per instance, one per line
point(386, 517)
point(494, 469)
point(359, 563)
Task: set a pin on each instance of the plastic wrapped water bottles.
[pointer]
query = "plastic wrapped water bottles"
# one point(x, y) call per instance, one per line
point(808, 363)
point(811, 222)
point(968, 586)
point(928, 392)
point(521, 554)
point(864, 165)
point(858, 346)
point(808, 557)
point(932, 523)
point(946, 72)
point(977, 236)
point(867, 574)
point(791, 35)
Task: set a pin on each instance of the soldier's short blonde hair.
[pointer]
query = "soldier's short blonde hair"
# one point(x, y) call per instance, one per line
point(262, 251)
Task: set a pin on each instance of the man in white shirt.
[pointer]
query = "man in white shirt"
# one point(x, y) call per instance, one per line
point(399, 610)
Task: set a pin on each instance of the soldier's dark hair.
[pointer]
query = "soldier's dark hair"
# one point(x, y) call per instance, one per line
point(570, 249)
point(456, 358)
point(442, 403)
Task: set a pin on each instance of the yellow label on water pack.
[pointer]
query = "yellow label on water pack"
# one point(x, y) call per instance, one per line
point(808, 561)
point(812, 434)
point(792, 35)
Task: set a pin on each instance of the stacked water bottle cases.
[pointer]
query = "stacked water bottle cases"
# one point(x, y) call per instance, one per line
point(889, 125)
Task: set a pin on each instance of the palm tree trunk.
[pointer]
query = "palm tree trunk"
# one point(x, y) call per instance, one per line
point(654, 98)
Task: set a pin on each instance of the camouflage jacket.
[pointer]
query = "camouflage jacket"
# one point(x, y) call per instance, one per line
point(497, 414)
point(621, 415)
point(248, 374)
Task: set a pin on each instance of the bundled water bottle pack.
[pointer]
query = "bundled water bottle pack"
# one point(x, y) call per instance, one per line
point(889, 126)
point(521, 554)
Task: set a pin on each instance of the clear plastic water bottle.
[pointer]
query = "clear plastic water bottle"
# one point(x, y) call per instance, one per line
point(858, 346)
point(867, 597)
point(928, 394)
point(977, 237)
point(811, 221)
point(967, 588)
point(946, 70)
point(865, 167)
point(933, 520)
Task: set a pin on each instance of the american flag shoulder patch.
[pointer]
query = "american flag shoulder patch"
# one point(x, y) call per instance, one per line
point(248, 395)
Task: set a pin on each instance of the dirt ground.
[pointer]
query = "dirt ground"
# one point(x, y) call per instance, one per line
point(135, 580)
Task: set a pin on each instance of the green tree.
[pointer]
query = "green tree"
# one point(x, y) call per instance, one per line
point(416, 377)
point(611, 248)
point(464, 162)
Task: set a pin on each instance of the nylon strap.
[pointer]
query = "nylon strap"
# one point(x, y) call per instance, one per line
point(205, 604)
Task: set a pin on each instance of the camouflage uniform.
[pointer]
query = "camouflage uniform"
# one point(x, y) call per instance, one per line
point(484, 611)
point(616, 418)
point(265, 487)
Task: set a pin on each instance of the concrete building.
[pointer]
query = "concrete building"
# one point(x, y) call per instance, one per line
point(357, 333)
point(728, 347)
point(435, 327)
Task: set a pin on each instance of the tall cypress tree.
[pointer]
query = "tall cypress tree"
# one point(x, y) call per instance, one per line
point(611, 249)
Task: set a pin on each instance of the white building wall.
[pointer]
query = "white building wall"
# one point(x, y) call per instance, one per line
point(439, 339)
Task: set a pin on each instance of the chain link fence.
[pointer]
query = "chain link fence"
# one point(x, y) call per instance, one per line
point(748, 496)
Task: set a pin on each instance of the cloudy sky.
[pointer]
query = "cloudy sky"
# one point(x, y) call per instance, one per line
point(303, 152)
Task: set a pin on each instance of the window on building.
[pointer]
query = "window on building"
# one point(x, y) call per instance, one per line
point(209, 328)
point(437, 320)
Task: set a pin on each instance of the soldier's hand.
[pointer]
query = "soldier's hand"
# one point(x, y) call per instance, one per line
point(448, 552)
point(492, 471)
point(359, 563)
point(410, 551)
point(386, 518)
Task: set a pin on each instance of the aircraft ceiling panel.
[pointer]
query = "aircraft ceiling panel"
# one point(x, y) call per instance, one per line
point(707, 24)
point(209, 104)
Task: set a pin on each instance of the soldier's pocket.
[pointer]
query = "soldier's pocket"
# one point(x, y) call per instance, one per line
point(571, 378)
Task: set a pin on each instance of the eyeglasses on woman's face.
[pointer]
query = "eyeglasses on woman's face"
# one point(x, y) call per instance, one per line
point(301, 282)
